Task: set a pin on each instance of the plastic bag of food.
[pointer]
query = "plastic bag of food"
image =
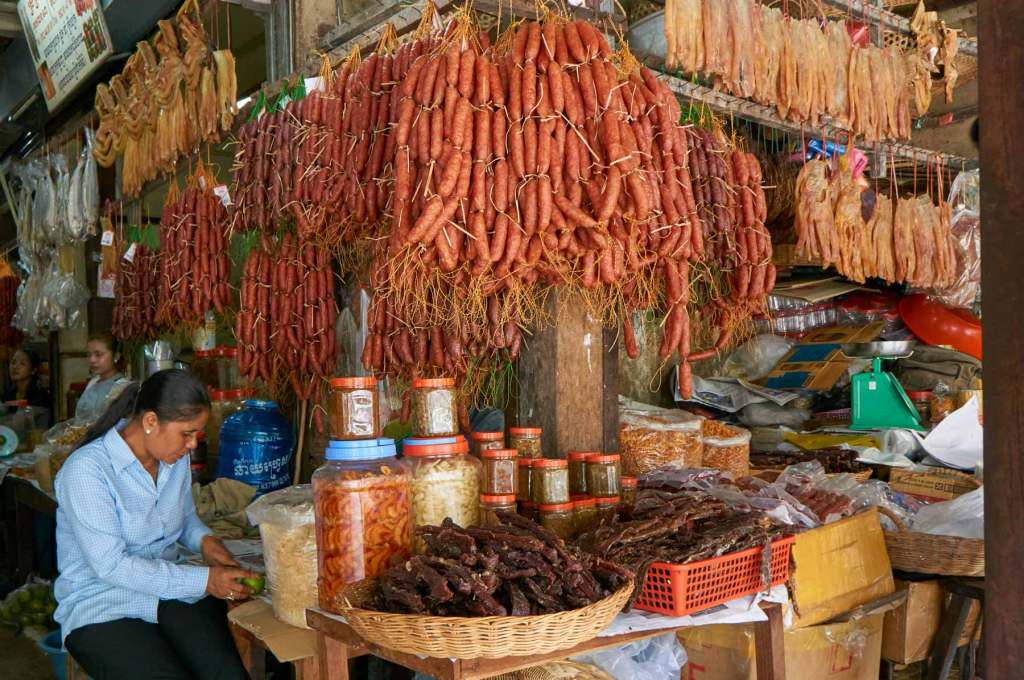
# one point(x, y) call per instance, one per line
point(726, 448)
point(963, 516)
point(651, 438)
point(287, 530)
point(966, 229)
point(756, 358)
point(651, 659)
point(30, 605)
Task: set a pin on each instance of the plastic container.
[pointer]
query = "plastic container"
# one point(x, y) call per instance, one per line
point(681, 589)
point(603, 473)
point(527, 509)
point(223, 404)
point(255, 447)
point(578, 471)
point(491, 504)
point(584, 516)
point(607, 509)
point(226, 360)
point(362, 497)
point(558, 518)
point(921, 400)
point(628, 490)
point(353, 411)
point(525, 440)
point(445, 481)
point(483, 441)
point(549, 481)
point(52, 646)
point(500, 471)
point(524, 474)
point(940, 405)
point(726, 448)
point(204, 367)
point(435, 410)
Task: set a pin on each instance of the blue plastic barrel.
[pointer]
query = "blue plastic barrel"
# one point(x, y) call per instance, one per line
point(256, 445)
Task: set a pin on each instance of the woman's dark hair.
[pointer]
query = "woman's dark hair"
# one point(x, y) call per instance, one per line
point(33, 356)
point(172, 394)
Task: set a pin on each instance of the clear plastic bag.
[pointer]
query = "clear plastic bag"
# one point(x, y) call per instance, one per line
point(31, 605)
point(965, 191)
point(652, 438)
point(966, 229)
point(963, 516)
point(655, 658)
point(755, 358)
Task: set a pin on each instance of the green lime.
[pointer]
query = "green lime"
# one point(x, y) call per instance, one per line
point(14, 609)
point(24, 596)
point(40, 618)
point(41, 593)
point(39, 606)
point(256, 584)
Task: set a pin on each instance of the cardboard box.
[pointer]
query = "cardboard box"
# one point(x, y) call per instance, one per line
point(288, 643)
point(909, 630)
point(934, 485)
point(817, 362)
point(837, 567)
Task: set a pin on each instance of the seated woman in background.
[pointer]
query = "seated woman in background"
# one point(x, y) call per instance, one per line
point(23, 370)
point(107, 380)
point(127, 606)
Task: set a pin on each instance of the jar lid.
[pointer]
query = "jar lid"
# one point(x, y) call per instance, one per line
point(498, 500)
point(200, 435)
point(360, 449)
point(524, 430)
point(580, 455)
point(430, 441)
point(554, 507)
point(585, 502)
point(525, 462)
point(603, 458)
point(227, 352)
point(578, 497)
point(550, 463)
point(628, 482)
point(239, 393)
point(202, 353)
point(526, 504)
point(218, 395)
point(354, 382)
point(486, 436)
point(451, 449)
point(917, 395)
point(197, 466)
point(607, 500)
point(500, 454)
point(433, 382)
point(260, 403)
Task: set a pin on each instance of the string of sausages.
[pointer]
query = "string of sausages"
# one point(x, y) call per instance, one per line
point(135, 290)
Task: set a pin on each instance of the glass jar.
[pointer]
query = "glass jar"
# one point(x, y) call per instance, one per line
point(204, 367)
point(352, 411)
point(628, 490)
point(500, 468)
point(435, 411)
point(584, 515)
point(527, 510)
point(578, 471)
point(607, 509)
point(922, 403)
point(445, 481)
point(603, 473)
point(223, 403)
point(549, 481)
point(524, 475)
point(940, 405)
point(362, 496)
point(557, 518)
point(492, 504)
point(525, 440)
point(484, 441)
point(226, 360)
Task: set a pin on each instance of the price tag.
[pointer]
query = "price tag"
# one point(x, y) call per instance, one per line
point(107, 239)
point(202, 182)
point(221, 190)
point(129, 255)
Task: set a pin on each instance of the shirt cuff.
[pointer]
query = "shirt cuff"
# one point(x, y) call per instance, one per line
point(196, 581)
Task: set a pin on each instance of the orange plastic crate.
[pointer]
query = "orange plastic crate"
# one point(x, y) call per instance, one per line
point(681, 589)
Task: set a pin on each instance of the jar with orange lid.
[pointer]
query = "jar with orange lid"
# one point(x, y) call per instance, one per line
point(362, 497)
point(628, 490)
point(434, 407)
point(352, 411)
point(549, 481)
point(445, 480)
point(603, 473)
point(523, 476)
point(607, 509)
point(500, 471)
point(525, 440)
point(558, 518)
point(204, 367)
point(223, 403)
point(584, 514)
point(490, 504)
point(483, 441)
point(226, 360)
point(578, 471)
point(527, 509)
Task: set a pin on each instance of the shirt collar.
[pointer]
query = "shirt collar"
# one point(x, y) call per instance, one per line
point(120, 453)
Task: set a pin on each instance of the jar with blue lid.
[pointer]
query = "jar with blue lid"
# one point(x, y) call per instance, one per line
point(363, 512)
point(256, 446)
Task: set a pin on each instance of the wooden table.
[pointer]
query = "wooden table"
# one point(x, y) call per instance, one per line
point(337, 643)
point(25, 498)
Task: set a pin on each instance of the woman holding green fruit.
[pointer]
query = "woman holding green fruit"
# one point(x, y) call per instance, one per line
point(127, 606)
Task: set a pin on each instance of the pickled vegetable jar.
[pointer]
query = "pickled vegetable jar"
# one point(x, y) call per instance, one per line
point(603, 472)
point(557, 517)
point(352, 411)
point(607, 509)
point(549, 481)
point(584, 515)
point(490, 504)
point(628, 490)
point(445, 481)
point(435, 411)
point(525, 440)
point(524, 472)
point(578, 471)
point(500, 471)
point(483, 441)
point(362, 496)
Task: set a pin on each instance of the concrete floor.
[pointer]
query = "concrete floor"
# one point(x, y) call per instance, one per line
point(21, 659)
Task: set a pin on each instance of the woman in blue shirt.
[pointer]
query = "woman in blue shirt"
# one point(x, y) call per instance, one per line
point(127, 606)
point(107, 380)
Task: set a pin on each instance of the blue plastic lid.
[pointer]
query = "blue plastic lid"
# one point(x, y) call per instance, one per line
point(431, 441)
point(362, 449)
point(260, 403)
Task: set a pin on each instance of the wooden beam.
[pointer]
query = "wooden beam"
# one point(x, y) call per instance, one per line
point(769, 647)
point(1000, 26)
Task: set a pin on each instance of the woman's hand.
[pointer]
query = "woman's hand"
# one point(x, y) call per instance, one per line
point(215, 553)
point(223, 583)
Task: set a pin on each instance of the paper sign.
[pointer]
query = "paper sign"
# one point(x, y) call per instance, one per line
point(223, 194)
point(107, 239)
point(129, 255)
point(957, 440)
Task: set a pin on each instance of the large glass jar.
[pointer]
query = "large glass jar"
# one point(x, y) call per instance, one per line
point(584, 515)
point(445, 481)
point(549, 481)
point(628, 490)
point(524, 473)
point(353, 412)
point(483, 441)
point(363, 500)
point(223, 403)
point(500, 468)
point(226, 360)
point(603, 472)
point(204, 367)
point(435, 411)
point(578, 471)
point(558, 518)
point(607, 509)
point(491, 504)
point(525, 440)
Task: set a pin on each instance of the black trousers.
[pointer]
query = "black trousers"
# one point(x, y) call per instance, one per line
point(189, 641)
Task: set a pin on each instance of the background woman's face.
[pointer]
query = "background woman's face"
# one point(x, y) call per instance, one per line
point(20, 367)
point(101, 359)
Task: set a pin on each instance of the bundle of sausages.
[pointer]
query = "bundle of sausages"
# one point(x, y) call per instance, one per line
point(135, 290)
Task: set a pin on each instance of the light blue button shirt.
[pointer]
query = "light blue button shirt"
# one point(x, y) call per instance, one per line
point(117, 536)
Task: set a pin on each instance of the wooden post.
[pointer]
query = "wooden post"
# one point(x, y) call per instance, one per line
point(568, 381)
point(1001, 67)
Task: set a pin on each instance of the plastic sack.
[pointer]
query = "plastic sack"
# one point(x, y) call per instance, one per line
point(768, 414)
point(31, 605)
point(287, 530)
point(965, 191)
point(756, 358)
point(651, 438)
point(655, 658)
point(963, 517)
point(966, 230)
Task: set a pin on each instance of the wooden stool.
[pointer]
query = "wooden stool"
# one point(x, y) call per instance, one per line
point(964, 592)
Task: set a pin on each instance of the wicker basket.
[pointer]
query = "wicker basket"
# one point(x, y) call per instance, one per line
point(930, 554)
point(487, 637)
point(557, 670)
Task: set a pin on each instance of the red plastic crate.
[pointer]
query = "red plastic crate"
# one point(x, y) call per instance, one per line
point(681, 589)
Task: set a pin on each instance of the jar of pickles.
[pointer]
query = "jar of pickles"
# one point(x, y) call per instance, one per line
point(607, 509)
point(524, 473)
point(525, 440)
point(435, 410)
point(490, 504)
point(352, 410)
point(549, 481)
point(445, 481)
point(584, 515)
point(578, 471)
point(558, 518)
point(500, 471)
point(628, 490)
point(363, 500)
point(483, 441)
point(603, 473)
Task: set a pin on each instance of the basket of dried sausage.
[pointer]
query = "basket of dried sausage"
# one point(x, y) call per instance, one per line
point(509, 590)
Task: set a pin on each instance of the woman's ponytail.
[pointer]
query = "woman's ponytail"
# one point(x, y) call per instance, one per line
point(119, 409)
